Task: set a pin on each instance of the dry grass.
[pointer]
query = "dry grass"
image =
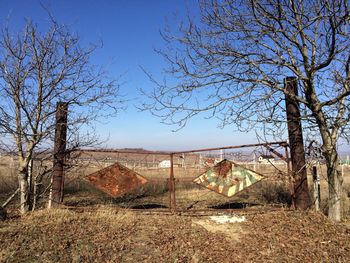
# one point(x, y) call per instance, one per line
point(81, 193)
point(8, 178)
point(62, 235)
point(324, 190)
point(100, 231)
point(275, 192)
point(104, 234)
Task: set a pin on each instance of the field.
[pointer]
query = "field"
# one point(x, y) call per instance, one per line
point(94, 227)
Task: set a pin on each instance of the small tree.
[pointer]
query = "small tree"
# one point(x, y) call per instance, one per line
point(38, 69)
point(231, 62)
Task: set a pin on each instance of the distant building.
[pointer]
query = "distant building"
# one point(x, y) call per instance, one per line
point(266, 159)
point(164, 164)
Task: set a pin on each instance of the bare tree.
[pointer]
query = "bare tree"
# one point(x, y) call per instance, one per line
point(38, 69)
point(231, 61)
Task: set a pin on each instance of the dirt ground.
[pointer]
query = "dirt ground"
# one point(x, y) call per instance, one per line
point(96, 228)
point(108, 234)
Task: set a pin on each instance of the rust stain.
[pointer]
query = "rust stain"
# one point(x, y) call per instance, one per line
point(116, 180)
point(222, 168)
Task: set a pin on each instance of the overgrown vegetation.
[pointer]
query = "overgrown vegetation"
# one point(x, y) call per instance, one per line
point(275, 193)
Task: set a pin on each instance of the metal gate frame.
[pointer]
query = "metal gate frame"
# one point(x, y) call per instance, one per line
point(172, 180)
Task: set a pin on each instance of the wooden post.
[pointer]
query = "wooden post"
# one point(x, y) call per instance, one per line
point(317, 192)
point(59, 154)
point(172, 185)
point(290, 177)
point(30, 183)
point(10, 198)
point(301, 197)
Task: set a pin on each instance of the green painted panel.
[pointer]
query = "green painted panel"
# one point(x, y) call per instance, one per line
point(227, 178)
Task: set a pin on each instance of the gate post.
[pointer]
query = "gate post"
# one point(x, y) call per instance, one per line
point(317, 190)
point(301, 197)
point(172, 185)
point(56, 194)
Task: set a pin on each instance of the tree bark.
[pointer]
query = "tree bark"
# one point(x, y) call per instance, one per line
point(335, 182)
point(36, 189)
point(301, 196)
point(24, 190)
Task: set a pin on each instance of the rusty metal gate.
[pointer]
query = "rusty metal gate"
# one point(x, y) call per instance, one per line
point(188, 180)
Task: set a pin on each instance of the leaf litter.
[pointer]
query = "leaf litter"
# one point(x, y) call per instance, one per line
point(106, 234)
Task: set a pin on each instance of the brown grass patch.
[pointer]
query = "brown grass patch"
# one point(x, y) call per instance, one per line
point(105, 234)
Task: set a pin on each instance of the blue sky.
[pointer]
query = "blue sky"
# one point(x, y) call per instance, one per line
point(130, 32)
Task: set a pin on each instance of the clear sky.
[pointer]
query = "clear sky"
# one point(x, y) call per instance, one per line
point(129, 30)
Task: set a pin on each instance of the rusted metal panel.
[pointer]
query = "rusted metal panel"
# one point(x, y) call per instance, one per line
point(116, 180)
point(227, 178)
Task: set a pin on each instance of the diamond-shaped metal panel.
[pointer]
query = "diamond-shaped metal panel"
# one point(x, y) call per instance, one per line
point(116, 180)
point(227, 178)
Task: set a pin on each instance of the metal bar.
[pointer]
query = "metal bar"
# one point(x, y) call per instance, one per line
point(122, 151)
point(231, 147)
point(301, 197)
point(184, 212)
point(276, 153)
point(281, 143)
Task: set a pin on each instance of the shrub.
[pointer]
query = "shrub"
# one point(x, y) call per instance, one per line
point(275, 193)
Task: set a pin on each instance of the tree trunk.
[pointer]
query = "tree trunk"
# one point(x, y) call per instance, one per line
point(24, 190)
point(300, 197)
point(37, 189)
point(335, 191)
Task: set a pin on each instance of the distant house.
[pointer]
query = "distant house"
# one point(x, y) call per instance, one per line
point(164, 164)
point(266, 159)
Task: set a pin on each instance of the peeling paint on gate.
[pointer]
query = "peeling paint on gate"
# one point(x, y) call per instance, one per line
point(227, 178)
point(116, 180)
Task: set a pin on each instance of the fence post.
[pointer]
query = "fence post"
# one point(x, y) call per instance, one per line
point(30, 181)
point(172, 185)
point(301, 197)
point(56, 195)
point(290, 177)
point(317, 192)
